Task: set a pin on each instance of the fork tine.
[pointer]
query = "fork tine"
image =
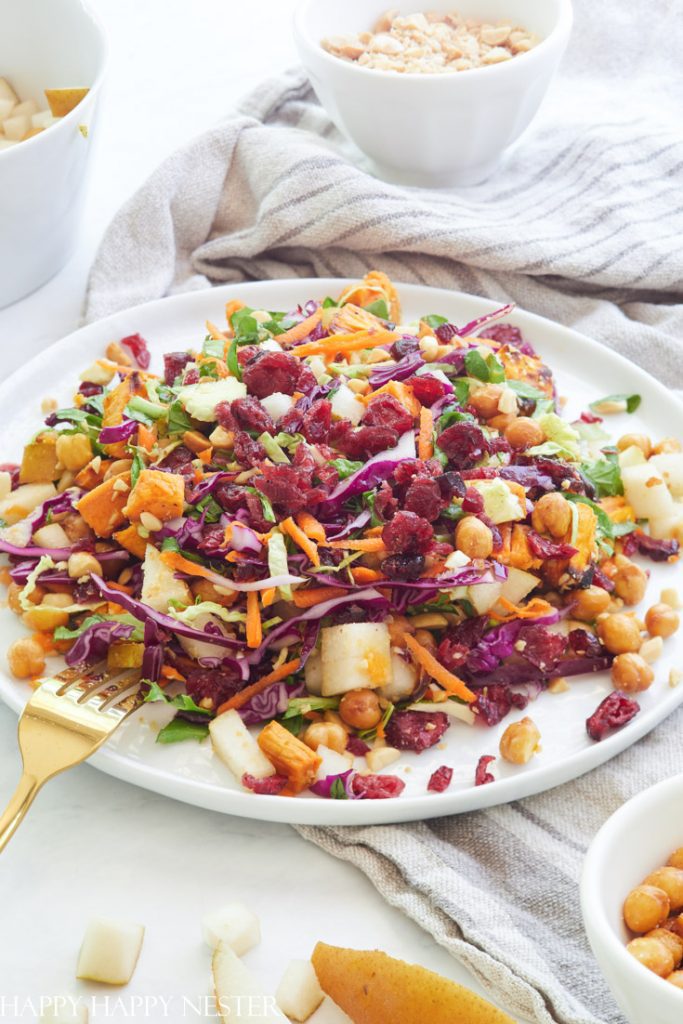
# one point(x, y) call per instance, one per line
point(126, 684)
point(75, 678)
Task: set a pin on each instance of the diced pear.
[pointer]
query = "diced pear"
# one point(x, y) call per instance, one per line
point(646, 492)
point(313, 673)
point(5, 485)
point(331, 762)
point(670, 465)
point(7, 92)
point(28, 108)
point(238, 993)
point(7, 143)
point(631, 456)
point(203, 648)
point(64, 1010)
point(483, 596)
point(501, 504)
point(6, 107)
point(125, 655)
point(355, 655)
point(23, 500)
point(110, 951)
point(96, 374)
point(346, 405)
point(403, 679)
point(277, 404)
point(299, 993)
point(235, 745)
point(159, 583)
point(234, 924)
point(51, 536)
point(518, 585)
point(63, 101)
point(381, 757)
point(16, 127)
point(43, 119)
point(668, 527)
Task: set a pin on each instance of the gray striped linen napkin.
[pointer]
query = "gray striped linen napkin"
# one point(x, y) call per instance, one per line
point(582, 224)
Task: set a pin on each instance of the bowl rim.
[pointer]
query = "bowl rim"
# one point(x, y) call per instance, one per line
point(89, 13)
point(558, 35)
point(592, 906)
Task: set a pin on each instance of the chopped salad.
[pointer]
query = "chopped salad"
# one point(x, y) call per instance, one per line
point(350, 532)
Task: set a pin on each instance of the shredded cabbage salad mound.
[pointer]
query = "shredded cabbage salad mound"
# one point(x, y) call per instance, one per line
point(350, 532)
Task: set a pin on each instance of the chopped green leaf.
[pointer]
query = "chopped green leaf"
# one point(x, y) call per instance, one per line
point(139, 406)
point(302, 705)
point(213, 347)
point(64, 633)
point(346, 467)
point(338, 790)
point(180, 729)
point(178, 420)
point(605, 475)
point(170, 544)
point(476, 365)
point(605, 525)
point(524, 390)
point(433, 320)
point(625, 403)
point(462, 391)
point(496, 370)
point(328, 303)
point(136, 469)
point(233, 361)
point(265, 504)
point(379, 308)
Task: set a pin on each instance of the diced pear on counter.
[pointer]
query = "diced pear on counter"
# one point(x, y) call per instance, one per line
point(237, 992)
point(299, 993)
point(110, 951)
point(374, 988)
point(6, 108)
point(7, 92)
point(355, 655)
point(234, 744)
point(235, 924)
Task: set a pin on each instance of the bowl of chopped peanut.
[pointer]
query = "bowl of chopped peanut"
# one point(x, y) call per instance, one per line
point(432, 98)
point(632, 903)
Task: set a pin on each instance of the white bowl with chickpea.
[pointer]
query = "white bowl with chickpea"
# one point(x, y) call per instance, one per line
point(55, 51)
point(632, 903)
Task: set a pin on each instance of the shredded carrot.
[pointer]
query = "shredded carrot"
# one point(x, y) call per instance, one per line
point(241, 698)
point(146, 437)
point(215, 333)
point(198, 476)
point(535, 609)
point(337, 343)
point(310, 596)
point(308, 547)
point(176, 561)
point(425, 444)
point(205, 455)
point(254, 626)
point(168, 672)
point(232, 307)
point(301, 330)
point(268, 596)
point(369, 544)
point(312, 528)
point(374, 531)
point(433, 668)
point(296, 395)
point(121, 587)
point(126, 370)
point(361, 574)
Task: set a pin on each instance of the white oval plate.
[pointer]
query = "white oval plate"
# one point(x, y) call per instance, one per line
point(187, 771)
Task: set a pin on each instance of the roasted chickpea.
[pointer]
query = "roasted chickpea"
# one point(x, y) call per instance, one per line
point(670, 939)
point(473, 538)
point(631, 673)
point(641, 441)
point(426, 639)
point(588, 603)
point(485, 400)
point(520, 741)
point(552, 514)
point(666, 445)
point(619, 633)
point(630, 581)
point(652, 954)
point(82, 563)
point(398, 625)
point(661, 620)
point(501, 421)
point(74, 451)
point(13, 591)
point(114, 352)
point(360, 709)
point(524, 432)
point(676, 858)
point(676, 979)
point(26, 658)
point(645, 908)
point(670, 881)
point(44, 619)
point(326, 734)
point(75, 527)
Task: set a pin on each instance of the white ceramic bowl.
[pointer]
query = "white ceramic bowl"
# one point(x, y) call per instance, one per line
point(433, 130)
point(635, 841)
point(45, 44)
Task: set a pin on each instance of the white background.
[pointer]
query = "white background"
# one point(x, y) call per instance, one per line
point(93, 845)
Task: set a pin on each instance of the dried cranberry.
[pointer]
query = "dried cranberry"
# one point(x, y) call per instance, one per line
point(317, 421)
point(291, 421)
point(229, 496)
point(246, 353)
point(427, 388)
point(364, 442)
point(88, 390)
point(463, 444)
point(385, 502)
point(355, 746)
point(407, 534)
point(657, 550)
point(540, 646)
point(249, 414)
point(328, 477)
point(473, 502)
point(416, 730)
point(377, 787)
point(306, 381)
point(585, 644)
point(504, 334)
point(387, 411)
point(224, 416)
point(601, 579)
point(494, 702)
point(615, 711)
point(542, 547)
point(247, 450)
point(179, 461)
point(453, 655)
point(590, 417)
point(269, 372)
point(272, 785)
point(405, 347)
point(452, 486)
point(403, 567)
point(498, 445)
point(440, 779)
point(137, 346)
point(481, 775)
point(191, 377)
point(213, 685)
point(423, 497)
point(288, 489)
point(406, 470)
point(257, 520)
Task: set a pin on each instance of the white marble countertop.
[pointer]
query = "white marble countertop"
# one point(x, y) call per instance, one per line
point(93, 845)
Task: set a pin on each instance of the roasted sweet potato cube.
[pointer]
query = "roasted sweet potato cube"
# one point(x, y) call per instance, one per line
point(130, 539)
point(161, 494)
point(125, 655)
point(39, 462)
point(103, 507)
point(289, 756)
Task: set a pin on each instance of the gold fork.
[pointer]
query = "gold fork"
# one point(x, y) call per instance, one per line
point(66, 720)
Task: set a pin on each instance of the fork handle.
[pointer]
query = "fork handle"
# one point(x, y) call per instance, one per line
point(16, 809)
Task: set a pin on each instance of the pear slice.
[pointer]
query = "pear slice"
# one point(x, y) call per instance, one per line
point(299, 993)
point(63, 101)
point(373, 988)
point(110, 951)
point(238, 993)
point(235, 924)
